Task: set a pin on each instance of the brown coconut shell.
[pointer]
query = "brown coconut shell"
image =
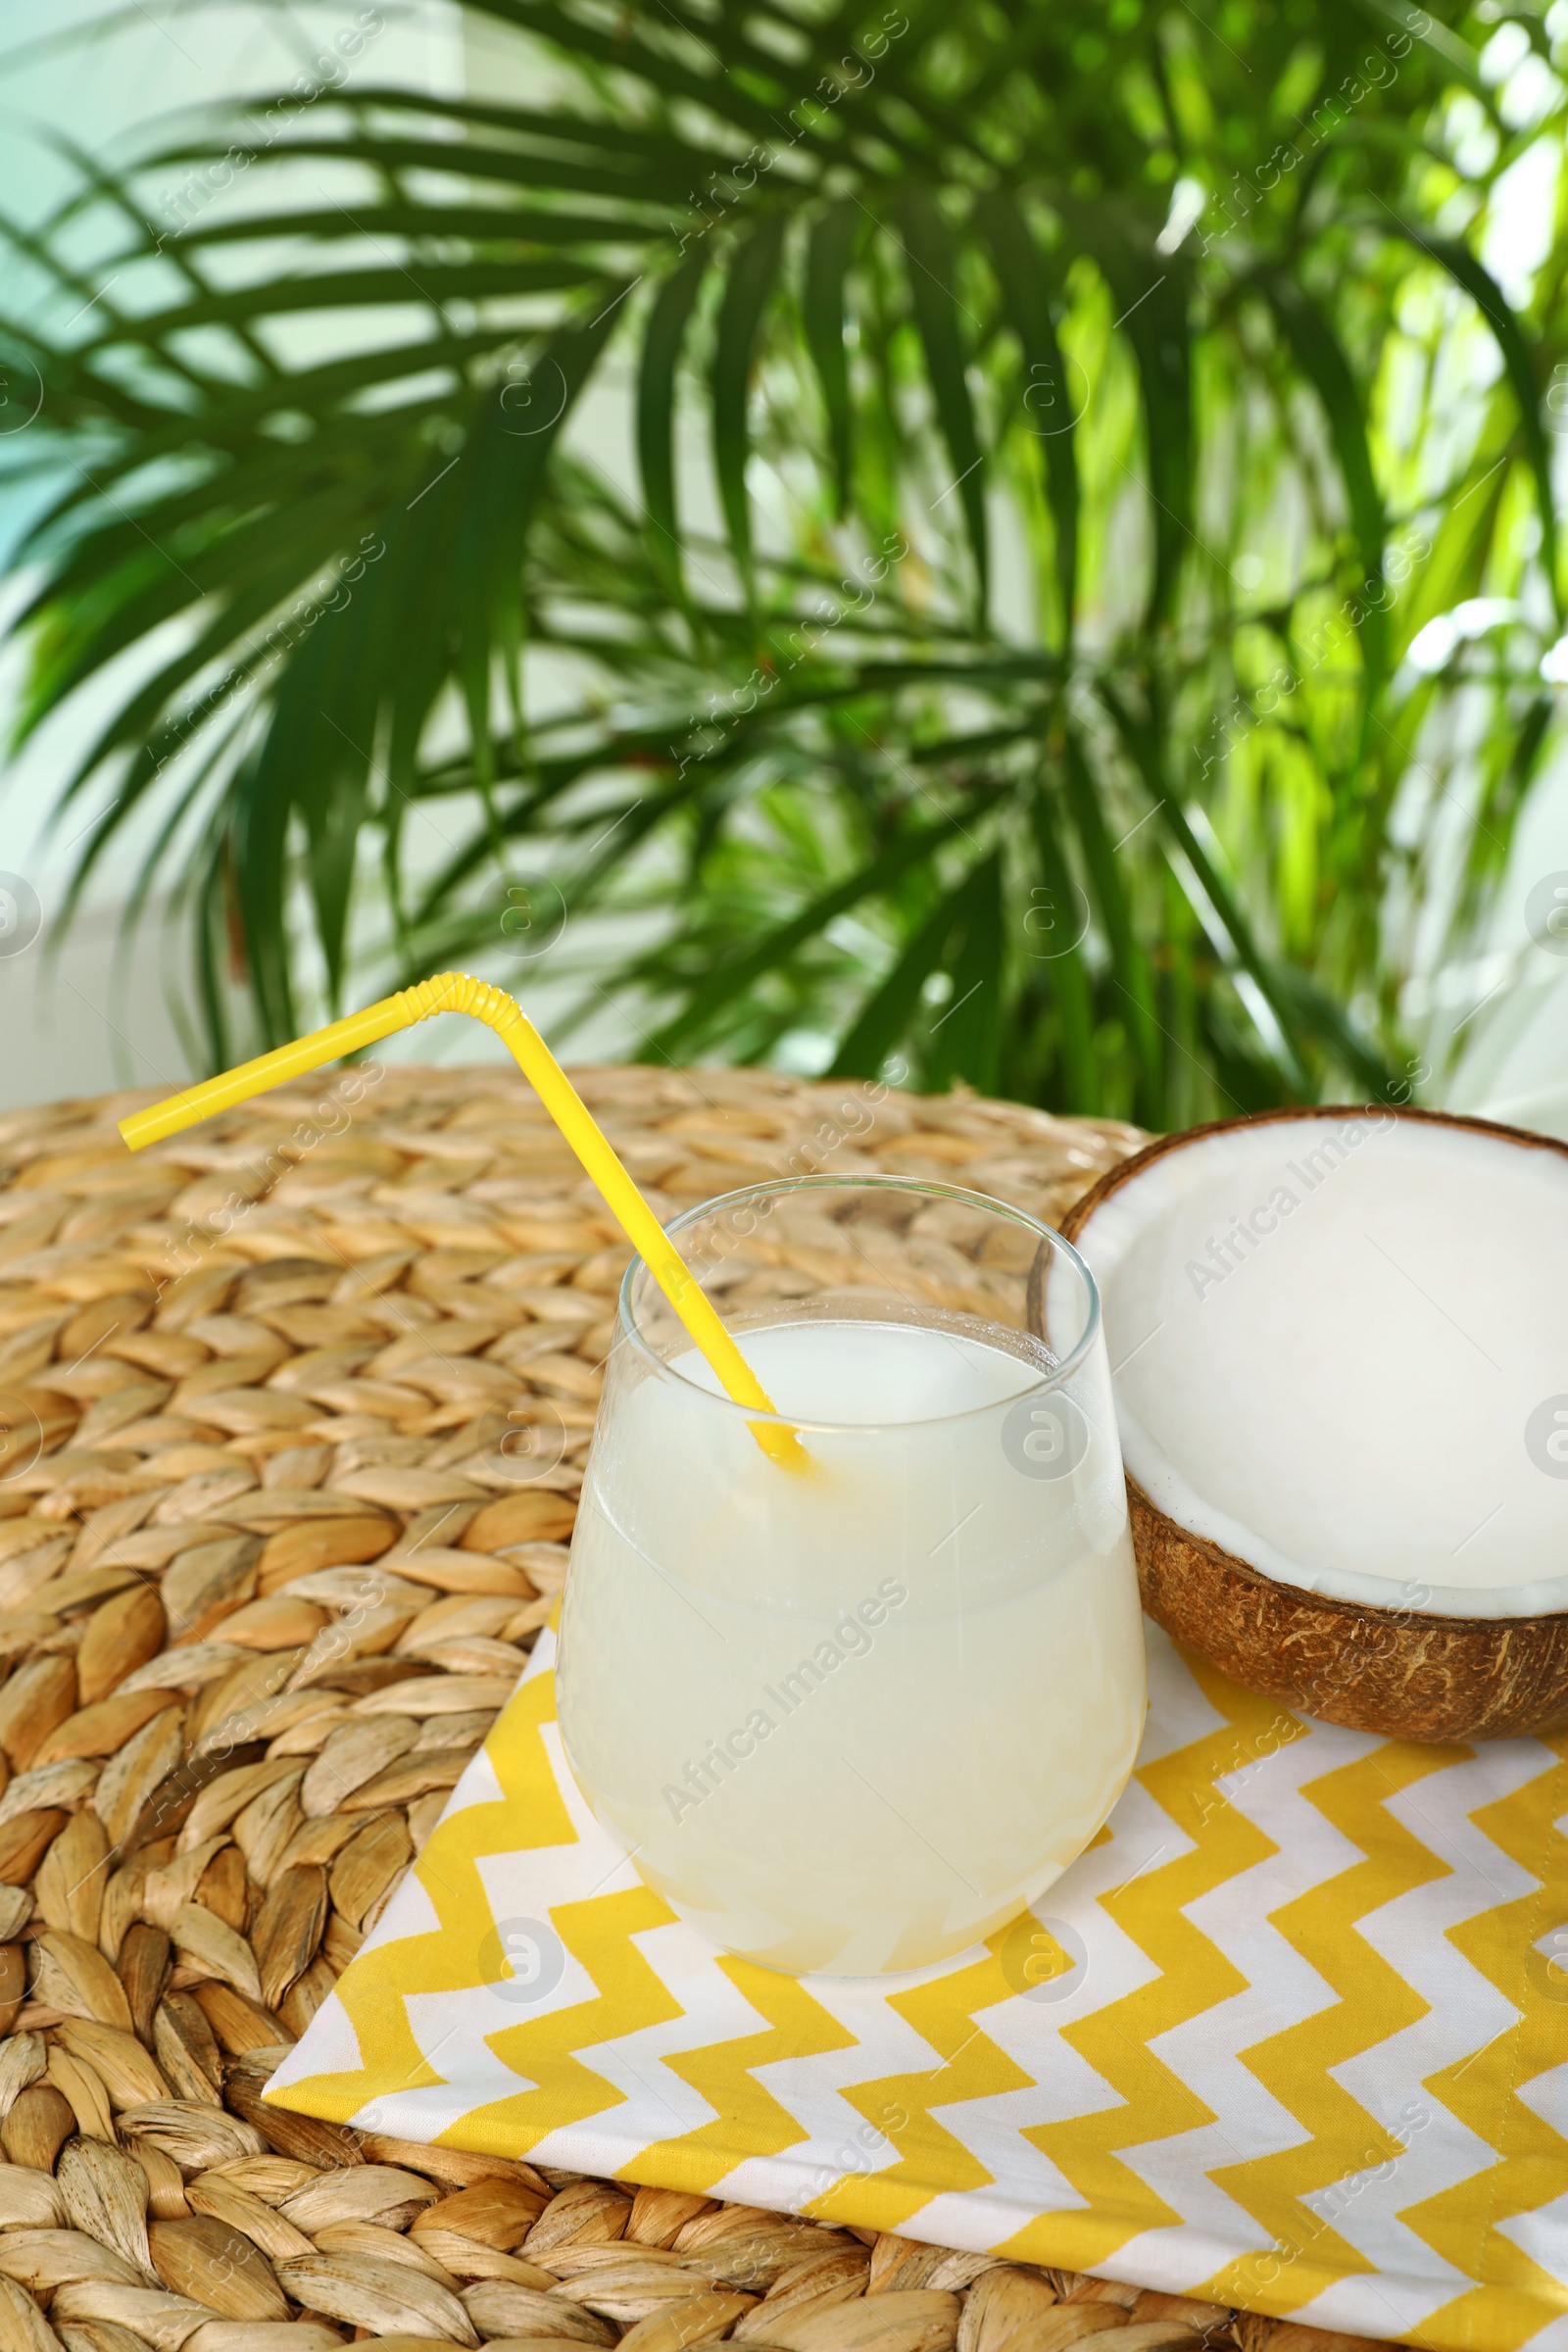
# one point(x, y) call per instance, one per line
point(1405, 1674)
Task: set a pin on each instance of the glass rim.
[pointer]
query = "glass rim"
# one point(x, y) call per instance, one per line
point(777, 1186)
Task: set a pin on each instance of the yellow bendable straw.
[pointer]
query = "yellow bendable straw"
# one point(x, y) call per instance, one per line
point(456, 992)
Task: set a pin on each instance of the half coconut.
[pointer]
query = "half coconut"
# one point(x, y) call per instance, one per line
point(1339, 1347)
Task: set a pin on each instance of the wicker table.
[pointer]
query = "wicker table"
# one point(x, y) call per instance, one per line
point(233, 1368)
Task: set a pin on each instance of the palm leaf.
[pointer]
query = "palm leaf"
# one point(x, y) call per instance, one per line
point(833, 238)
point(662, 342)
point(1047, 397)
point(753, 271)
point(932, 258)
point(1513, 343)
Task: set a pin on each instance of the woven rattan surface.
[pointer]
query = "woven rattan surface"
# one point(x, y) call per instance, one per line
point(360, 1321)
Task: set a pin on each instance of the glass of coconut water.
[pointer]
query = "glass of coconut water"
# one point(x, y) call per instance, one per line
point(857, 1716)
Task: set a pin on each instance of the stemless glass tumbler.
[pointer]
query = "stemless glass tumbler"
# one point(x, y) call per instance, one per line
point(855, 1716)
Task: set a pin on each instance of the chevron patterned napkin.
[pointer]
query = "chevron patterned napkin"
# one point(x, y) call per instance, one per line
point(1291, 2035)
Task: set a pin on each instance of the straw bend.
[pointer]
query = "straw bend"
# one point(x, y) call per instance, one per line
point(460, 992)
point(448, 992)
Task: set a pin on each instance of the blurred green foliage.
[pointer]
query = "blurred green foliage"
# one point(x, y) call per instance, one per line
point(1048, 425)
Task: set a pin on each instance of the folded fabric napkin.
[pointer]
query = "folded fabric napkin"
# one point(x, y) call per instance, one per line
point(1291, 2035)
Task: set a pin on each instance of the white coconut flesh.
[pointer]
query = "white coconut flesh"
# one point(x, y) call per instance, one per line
point(1340, 1350)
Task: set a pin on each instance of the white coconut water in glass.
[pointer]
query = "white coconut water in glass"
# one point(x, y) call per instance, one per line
point(858, 1719)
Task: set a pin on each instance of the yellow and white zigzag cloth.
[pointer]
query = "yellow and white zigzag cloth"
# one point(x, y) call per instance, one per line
point(1293, 2034)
